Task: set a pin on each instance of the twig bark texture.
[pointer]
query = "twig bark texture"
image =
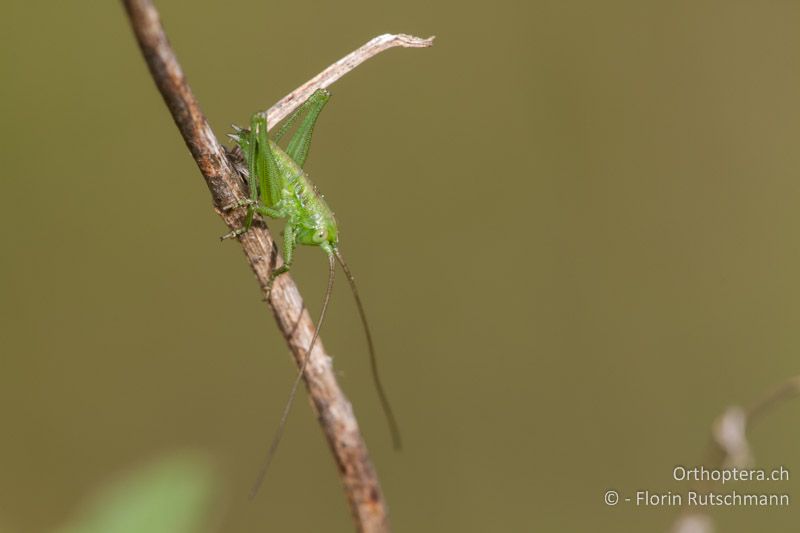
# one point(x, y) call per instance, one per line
point(334, 412)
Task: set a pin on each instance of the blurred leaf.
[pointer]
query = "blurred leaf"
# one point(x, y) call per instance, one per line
point(171, 495)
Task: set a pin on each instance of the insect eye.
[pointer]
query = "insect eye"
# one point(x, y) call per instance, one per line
point(321, 235)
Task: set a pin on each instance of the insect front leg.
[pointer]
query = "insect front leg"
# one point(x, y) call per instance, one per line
point(248, 221)
point(254, 207)
point(288, 256)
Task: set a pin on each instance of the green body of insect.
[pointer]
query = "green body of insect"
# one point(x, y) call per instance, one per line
point(280, 189)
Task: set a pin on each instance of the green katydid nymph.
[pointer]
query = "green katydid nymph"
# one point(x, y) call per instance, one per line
point(279, 188)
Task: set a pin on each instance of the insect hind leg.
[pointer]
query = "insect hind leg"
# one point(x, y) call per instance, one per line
point(300, 142)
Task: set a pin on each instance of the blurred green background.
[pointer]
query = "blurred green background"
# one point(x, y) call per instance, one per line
point(575, 226)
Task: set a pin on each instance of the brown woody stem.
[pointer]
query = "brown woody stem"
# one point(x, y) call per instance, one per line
point(334, 411)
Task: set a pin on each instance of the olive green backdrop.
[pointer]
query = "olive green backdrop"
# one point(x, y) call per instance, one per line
point(575, 225)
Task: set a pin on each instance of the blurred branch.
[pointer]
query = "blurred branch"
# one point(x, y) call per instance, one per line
point(729, 447)
point(325, 79)
point(334, 412)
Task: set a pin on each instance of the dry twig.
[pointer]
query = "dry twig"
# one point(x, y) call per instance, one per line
point(729, 447)
point(334, 412)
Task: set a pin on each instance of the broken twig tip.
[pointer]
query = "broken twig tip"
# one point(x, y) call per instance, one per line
point(409, 41)
point(341, 67)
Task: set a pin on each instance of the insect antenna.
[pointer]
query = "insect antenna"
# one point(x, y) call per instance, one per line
point(373, 361)
point(285, 416)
